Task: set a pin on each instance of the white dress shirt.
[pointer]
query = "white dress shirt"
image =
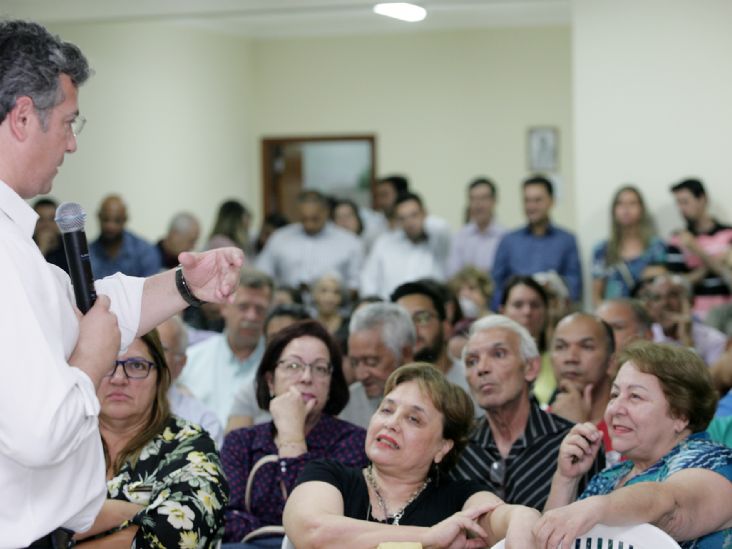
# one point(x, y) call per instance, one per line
point(184, 405)
point(293, 257)
point(245, 403)
point(52, 470)
point(395, 259)
point(213, 373)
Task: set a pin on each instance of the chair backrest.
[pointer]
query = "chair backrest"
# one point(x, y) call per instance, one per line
point(640, 536)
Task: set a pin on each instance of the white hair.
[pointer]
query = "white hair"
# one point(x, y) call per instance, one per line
point(527, 345)
point(397, 327)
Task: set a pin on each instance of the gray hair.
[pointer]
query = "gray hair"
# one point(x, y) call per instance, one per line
point(255, 280)
point(397, 328)
point(527, 345)
point(31, 62)
point(183, 222)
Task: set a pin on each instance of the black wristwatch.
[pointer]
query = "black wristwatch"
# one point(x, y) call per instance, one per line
point(184, 290)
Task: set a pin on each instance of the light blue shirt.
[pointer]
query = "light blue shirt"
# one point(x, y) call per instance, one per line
point(213, 373)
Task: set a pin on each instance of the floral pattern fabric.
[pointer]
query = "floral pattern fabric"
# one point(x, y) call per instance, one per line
point(179, 480)
point(696, 452)
point(620, 277)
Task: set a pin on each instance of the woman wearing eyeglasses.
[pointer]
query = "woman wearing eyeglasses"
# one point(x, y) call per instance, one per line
point(165, 486)
point(301, 383)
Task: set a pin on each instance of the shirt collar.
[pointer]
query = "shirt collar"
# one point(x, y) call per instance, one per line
point(549, 229)
point(256, 353)
point(17, 209)
point(537, 425)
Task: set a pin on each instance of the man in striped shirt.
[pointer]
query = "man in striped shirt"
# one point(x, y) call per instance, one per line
point(514, 446)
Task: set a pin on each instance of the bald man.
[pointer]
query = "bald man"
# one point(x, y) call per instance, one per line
point(183, 233)
point(117, 250)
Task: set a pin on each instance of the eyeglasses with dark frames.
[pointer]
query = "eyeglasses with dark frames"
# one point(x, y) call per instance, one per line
point(133, 368)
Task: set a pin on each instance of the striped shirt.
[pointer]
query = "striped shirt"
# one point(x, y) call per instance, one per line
point(525, 476)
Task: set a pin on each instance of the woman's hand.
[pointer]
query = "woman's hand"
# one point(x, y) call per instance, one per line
point(559, 527)
point(459, 531)
point(289, 411)
point(578, 450)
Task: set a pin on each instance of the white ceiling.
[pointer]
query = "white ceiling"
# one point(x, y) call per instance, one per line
point(286, 18)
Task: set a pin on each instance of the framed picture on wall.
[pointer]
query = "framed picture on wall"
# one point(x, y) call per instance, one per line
point(543, 149)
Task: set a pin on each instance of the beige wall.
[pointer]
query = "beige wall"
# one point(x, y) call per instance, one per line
point(175, 116)
point(652, 89)
point(445, 106)
point(169, 123)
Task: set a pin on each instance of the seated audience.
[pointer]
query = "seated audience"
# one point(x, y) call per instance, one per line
point(182, 236)
point(673, 476)
point(381, 338)
point(407, 253)
point(582, 356)
point(218, 366)
point(474, 290)
point(426, 307)
point(617, 262)
point(117, 249)
point(413, 441)
point(298, 254)
point(245, 410)
point(539, 246)
point(47, 235)
point(697, 251)
point(301, 383)
point(344, 213)
point(286, 295)
point(328, 296)
point(525, 301)
point(174, 339)
point(628, 318)
point(231, 228)
point(668, 299)
point(514, 446)
point(165, 486)
point(476, 243)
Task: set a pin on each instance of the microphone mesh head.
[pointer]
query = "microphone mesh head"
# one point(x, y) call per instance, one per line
point(70, 217)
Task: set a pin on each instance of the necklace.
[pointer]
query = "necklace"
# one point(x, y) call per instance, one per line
point(397, 516)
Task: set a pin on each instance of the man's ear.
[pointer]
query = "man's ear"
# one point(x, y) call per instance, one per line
point(20, 117)
point(532, 369)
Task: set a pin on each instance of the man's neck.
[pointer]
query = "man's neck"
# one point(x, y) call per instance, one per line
point(539, 228)
point(483, 224)
point(704, 224)
point(241, 352)
point(508, 422)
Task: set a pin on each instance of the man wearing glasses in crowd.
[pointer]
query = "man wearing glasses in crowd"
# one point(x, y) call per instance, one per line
point(52, 471)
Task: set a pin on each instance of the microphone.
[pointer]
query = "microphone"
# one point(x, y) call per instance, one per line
point(70, 218)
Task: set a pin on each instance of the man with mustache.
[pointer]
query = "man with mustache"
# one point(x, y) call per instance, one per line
point(221, 364)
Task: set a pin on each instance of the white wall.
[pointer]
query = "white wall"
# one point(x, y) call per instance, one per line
point(652, 104)
point(169, 123)
point(445, 106)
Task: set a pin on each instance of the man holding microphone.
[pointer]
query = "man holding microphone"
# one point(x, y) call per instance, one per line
point(52, 472)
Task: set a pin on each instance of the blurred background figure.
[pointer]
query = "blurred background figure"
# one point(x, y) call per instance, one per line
point(526, 302)
point(47, 234)
point(617, 262)
point(183, 404)
point(474, 291)
point(286, 295)
point(344, 213)
point(231, 228)
point(182, 236)
point(117, 249)
point(476, 243)
point(328, 296)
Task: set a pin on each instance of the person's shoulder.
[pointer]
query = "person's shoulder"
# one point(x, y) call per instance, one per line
point(181, 432)
point(137, 241)
point(563, 233)
point(701, 452)
point(599, 249)
point(253, 436)
point(205, 347)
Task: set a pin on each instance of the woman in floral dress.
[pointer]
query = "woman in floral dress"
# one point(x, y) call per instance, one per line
point(165, 485)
